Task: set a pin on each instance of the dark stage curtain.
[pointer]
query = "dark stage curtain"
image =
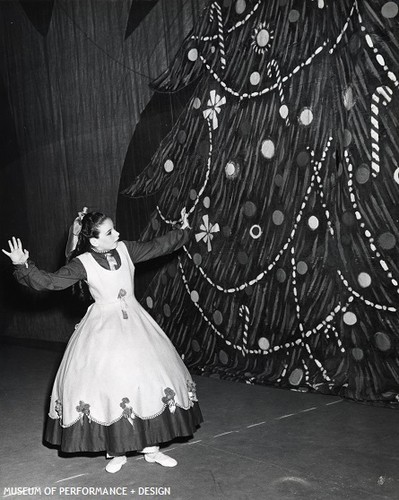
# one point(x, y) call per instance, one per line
point(74, 80)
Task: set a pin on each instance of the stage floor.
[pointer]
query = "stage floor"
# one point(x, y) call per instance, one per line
point(255, 443)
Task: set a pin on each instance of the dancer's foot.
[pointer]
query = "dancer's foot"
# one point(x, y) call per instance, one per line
point(116, 464)
point(160, 459)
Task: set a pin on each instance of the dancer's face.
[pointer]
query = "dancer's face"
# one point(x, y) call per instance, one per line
point(107, 238)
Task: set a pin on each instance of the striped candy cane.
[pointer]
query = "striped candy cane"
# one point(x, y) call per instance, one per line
point(283, 108)
point(383, 94)
point(216, 6)
point(243, 312)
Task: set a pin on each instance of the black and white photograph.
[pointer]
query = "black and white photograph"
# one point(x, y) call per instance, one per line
point(199, 234)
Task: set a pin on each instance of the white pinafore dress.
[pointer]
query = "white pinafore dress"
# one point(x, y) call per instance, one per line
point(121, 384)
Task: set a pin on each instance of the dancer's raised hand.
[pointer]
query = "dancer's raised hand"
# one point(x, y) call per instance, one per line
point(17, 254)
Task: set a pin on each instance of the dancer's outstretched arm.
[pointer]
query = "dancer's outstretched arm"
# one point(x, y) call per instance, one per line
point(26, 272)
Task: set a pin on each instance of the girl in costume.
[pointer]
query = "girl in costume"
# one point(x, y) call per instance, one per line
point(121, 385)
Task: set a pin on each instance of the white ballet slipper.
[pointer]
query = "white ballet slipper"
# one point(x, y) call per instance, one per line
point(160, 459)
point(116, 464)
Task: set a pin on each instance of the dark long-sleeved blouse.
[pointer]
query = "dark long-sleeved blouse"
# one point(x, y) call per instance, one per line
point(74, 271)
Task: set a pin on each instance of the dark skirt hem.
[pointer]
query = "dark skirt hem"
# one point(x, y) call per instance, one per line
point(123, 437)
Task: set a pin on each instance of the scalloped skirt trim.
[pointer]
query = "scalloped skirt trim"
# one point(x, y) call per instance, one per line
point(122, 436)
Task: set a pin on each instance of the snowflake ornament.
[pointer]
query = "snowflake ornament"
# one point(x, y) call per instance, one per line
point(207, 231)
point(214, 103)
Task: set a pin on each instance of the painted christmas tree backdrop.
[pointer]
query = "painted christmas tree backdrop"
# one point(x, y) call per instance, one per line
point(286, 159)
